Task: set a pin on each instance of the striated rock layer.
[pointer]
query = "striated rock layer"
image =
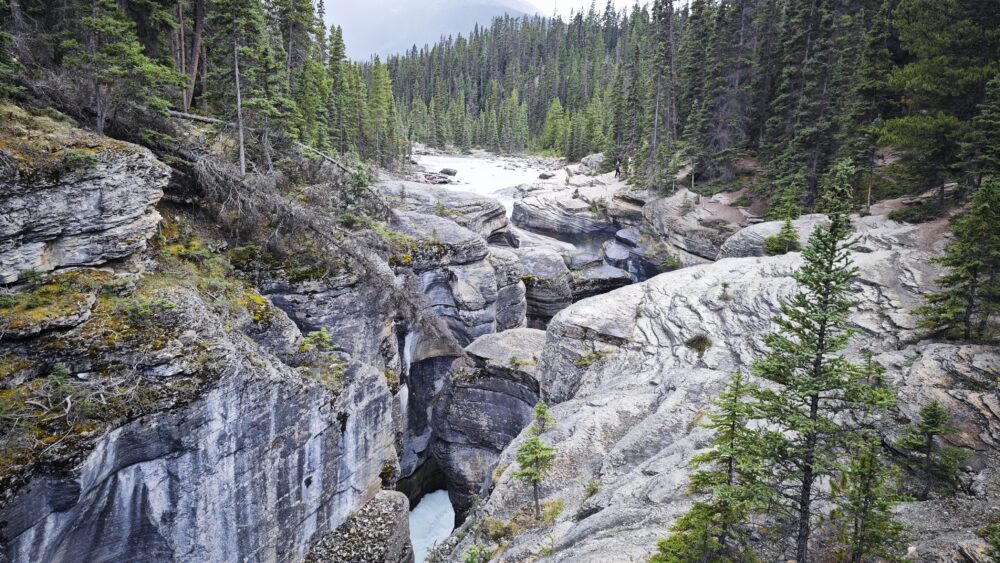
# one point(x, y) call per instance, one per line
point(485, 403)
point(629, 392)
point(71, 198)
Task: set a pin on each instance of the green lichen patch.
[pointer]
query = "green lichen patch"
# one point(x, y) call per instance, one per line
point(11, 365)
point(44, 146)
point(58, 302)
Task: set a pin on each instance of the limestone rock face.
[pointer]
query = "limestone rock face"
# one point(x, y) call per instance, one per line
point(628, 391)
point(749, 241)
point(694, 224)
point(484, 405)
point(547, 281)
point(567, 210)
point(242, 438)
point(597, 279)
point(482, 215)
point(87, 200)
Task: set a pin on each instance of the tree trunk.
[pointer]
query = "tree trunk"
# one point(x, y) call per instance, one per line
point(928, 478)
point(17, 15)
point(239, 107)
point(204, 78)
point(538, 506)
point(805, 493)
point(196, 50)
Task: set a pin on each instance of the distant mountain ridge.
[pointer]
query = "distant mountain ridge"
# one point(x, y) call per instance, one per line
point(386, 27)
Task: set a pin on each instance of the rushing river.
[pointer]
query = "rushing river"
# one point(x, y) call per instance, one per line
point(431, 521)
point(485, 175)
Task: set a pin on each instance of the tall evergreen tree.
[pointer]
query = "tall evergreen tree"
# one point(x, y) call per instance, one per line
point(534, 457)
point(968, 304)
point(110, 65)
point(803, 444)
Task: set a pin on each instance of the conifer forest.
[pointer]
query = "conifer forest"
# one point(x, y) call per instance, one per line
point(658, 281)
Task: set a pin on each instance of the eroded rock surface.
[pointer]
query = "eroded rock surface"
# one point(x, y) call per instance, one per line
point(71, 198)
point(629, 390)
point(484, 405)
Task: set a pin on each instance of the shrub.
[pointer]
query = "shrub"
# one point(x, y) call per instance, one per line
point(320, 340)
point(787, 240)
point(551, 510)
point(588, 359)
point(477, 554)
point(699, 343)
point(918, 213)
point(591, 489)
point(516, 362)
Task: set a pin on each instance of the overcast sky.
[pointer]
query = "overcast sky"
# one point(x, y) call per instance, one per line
point(546, 7)
point(383, 27)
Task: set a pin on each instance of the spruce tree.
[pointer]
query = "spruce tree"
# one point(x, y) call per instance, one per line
point(715, 529)
point(803, 444)
point(968, 303)
point(984, 140)
point(938, 464)
point(534, 456)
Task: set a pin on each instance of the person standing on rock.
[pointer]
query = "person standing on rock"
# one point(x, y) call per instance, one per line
point(618, 168)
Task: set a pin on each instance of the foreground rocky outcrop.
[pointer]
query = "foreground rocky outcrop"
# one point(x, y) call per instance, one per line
point(69, 197)
point(378, 533)
point(485, 403)
point(165, 408)
point(630, 385)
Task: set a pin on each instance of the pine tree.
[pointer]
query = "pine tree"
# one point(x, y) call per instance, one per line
point(714, 529)
point(938, 464)
point(803, 444)
point(983, 144)
point(969, 300)
point(534, 456)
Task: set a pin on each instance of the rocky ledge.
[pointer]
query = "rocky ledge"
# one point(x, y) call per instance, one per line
point(69, 197)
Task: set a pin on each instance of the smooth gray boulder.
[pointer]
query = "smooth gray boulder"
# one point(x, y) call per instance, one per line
point(592, 163)
point(448, 172)
point(749, 241)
